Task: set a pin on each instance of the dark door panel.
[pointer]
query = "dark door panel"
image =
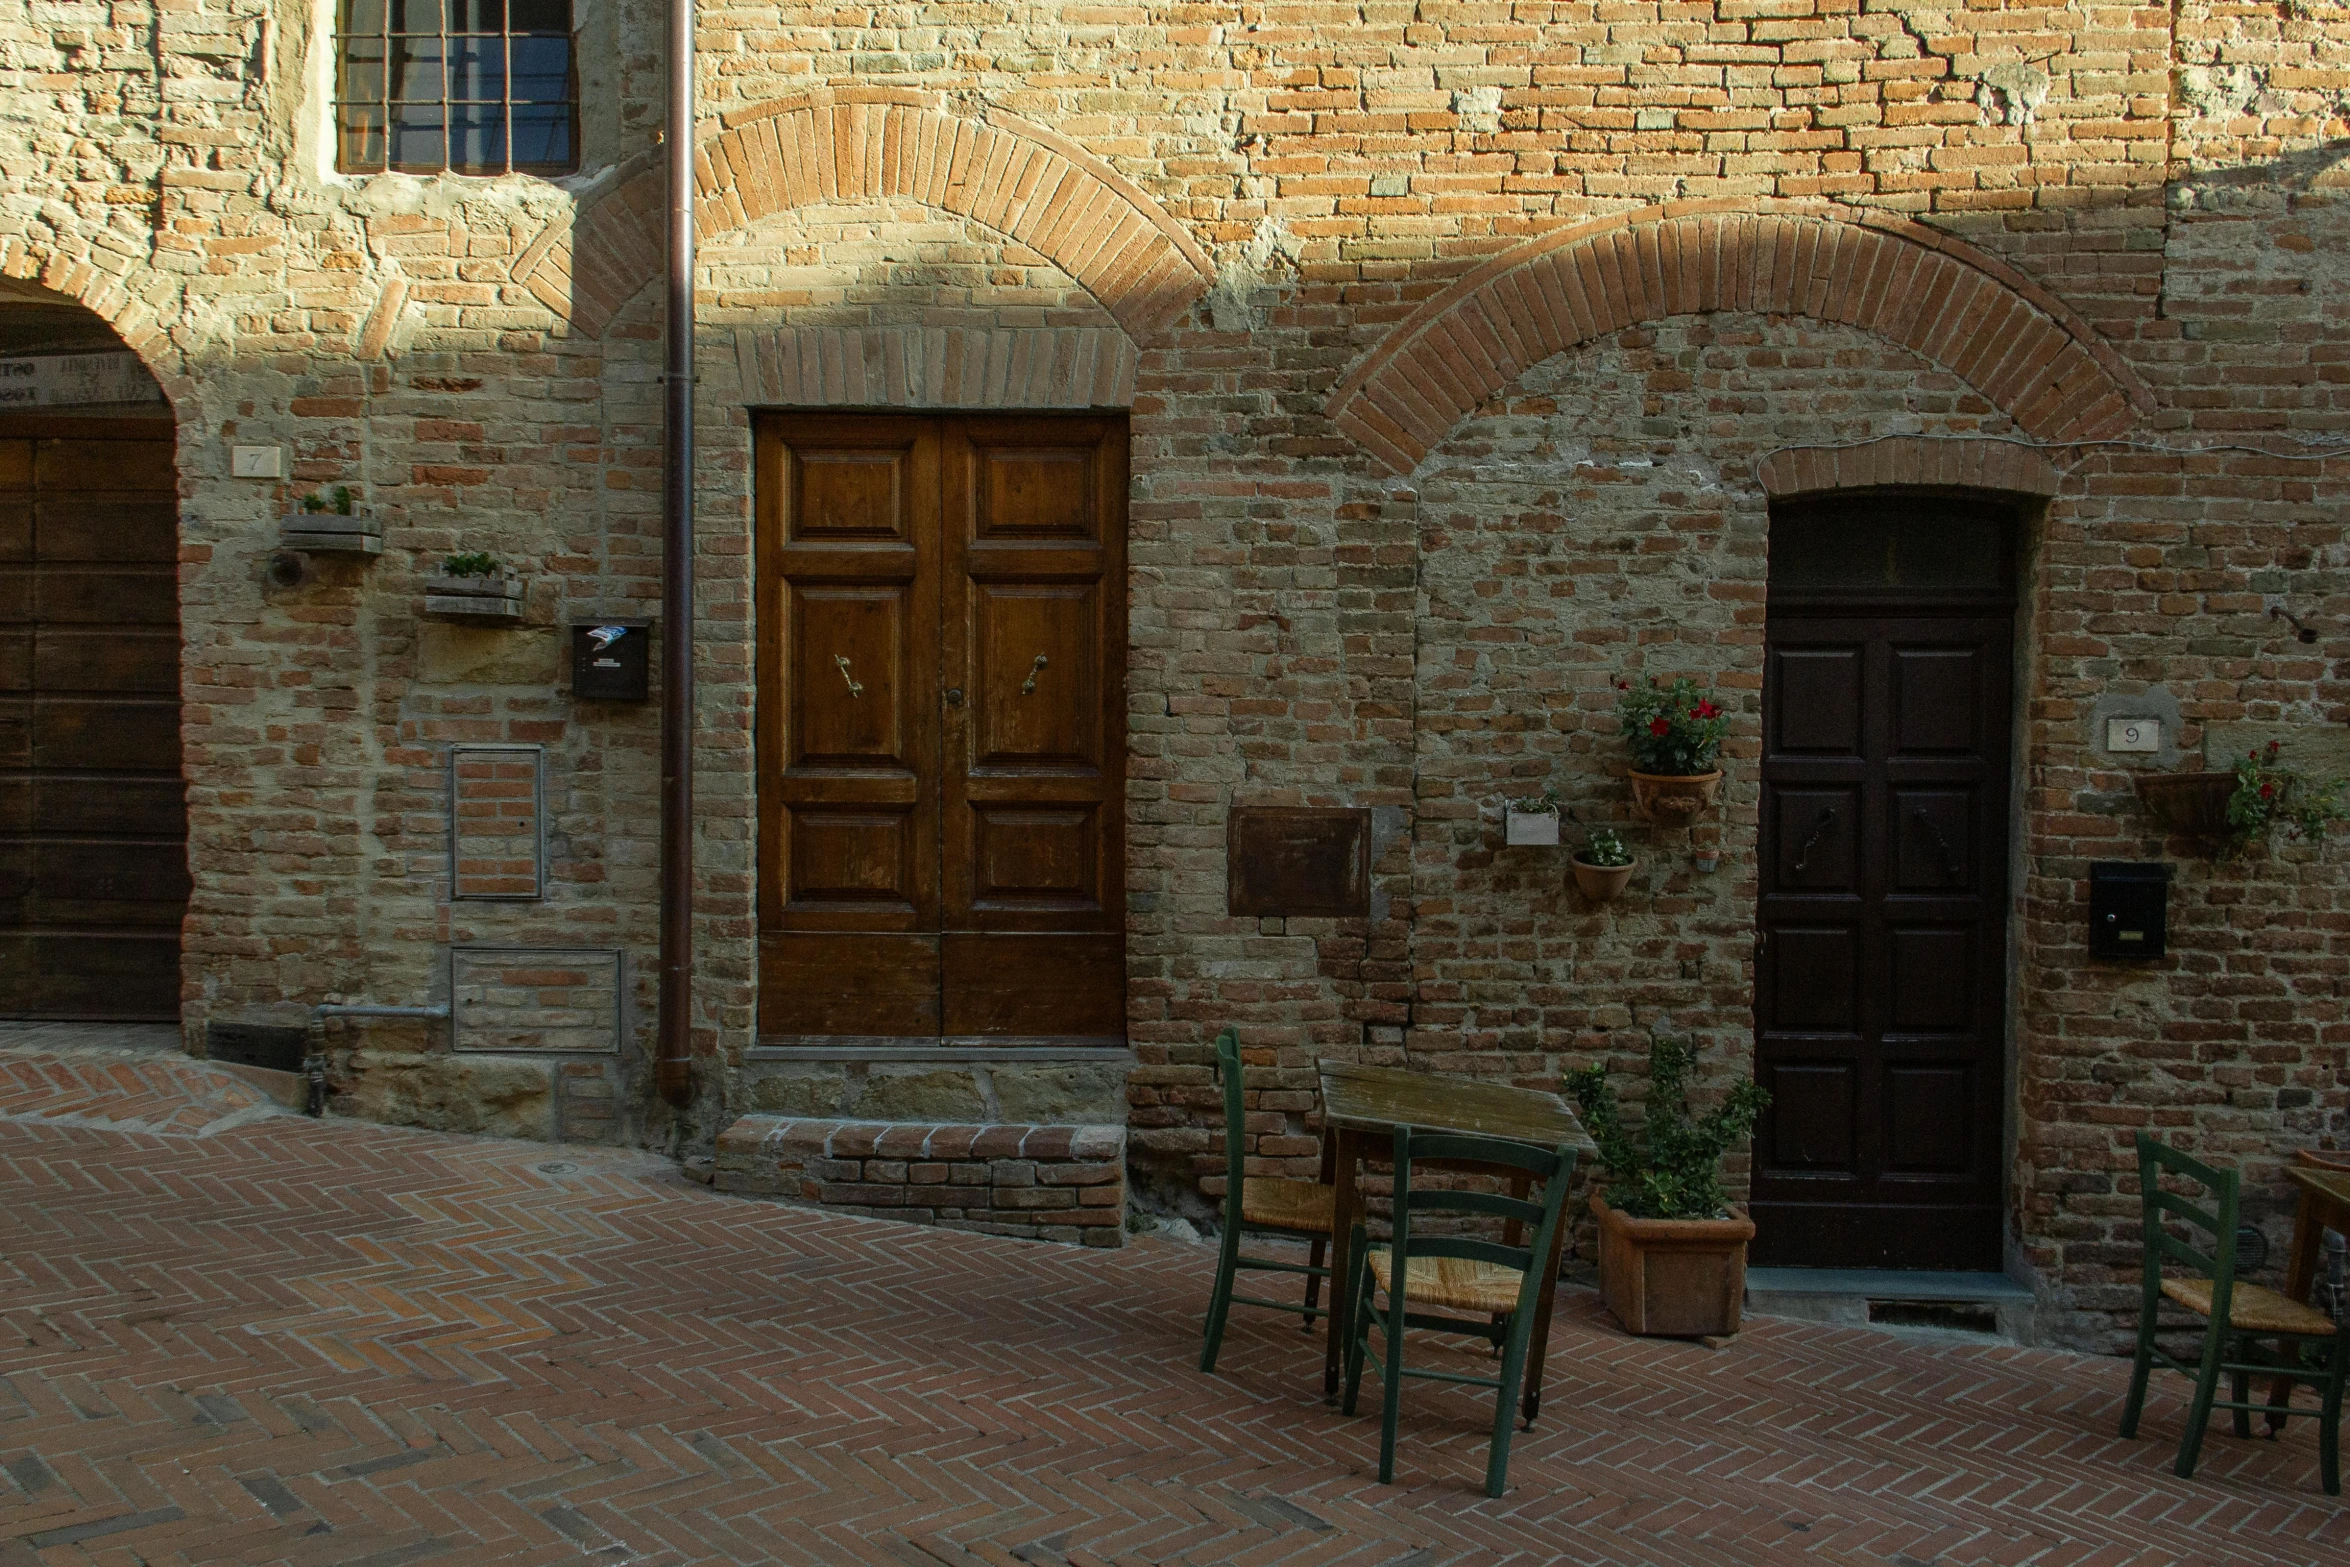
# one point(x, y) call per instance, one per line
point(94, 877)
point(1880, 976)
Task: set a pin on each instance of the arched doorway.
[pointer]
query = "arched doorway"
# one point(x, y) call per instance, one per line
point(93, 810)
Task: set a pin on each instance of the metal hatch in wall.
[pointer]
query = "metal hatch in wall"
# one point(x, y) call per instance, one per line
point(942, 631)
point(1881, 937)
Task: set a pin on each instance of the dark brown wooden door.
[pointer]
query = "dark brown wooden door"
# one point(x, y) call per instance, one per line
point(942, 687)
point(1880, 993)
point(93, 817)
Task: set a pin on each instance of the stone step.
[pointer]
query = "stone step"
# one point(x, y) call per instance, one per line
point(1985, 1305)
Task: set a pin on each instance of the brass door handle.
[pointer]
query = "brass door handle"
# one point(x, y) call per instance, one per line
point(856, 686)
point(1029, 685)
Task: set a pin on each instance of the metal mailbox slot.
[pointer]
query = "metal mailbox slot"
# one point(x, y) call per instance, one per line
point(2128, 907)
point(611, 661)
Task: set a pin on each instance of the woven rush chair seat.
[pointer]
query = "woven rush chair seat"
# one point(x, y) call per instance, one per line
point(2253, 1309)
point(1453, 1282)
point(1288, 1205)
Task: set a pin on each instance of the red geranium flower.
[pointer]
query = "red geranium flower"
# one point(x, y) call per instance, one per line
point(2268, 791)
point(1660, 727)
point(1706, 709)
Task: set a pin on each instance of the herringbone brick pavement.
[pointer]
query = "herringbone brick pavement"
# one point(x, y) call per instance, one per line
point(297, 1342)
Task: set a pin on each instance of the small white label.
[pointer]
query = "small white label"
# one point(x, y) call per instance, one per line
point(256, 462)
point(2133, 734)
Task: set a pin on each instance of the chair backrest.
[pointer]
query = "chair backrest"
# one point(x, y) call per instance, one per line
point(2210, 1211)
point(1229, 1074)
point(1553, 1168)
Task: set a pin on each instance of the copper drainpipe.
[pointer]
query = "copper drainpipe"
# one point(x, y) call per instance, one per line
point(673, 1071)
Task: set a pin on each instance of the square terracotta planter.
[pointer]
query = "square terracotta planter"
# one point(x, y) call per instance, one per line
point(1673, 1278)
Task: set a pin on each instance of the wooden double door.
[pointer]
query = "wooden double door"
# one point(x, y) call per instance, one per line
point(942, 633)
point(1881, 957)
point(93, 815)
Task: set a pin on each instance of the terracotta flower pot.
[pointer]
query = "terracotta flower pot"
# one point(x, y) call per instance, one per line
point(1673, 1278)
point(1600, 883)
point(2188, 802)
point(1674, 799)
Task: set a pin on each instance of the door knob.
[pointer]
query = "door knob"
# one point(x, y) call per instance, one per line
point(954, 696)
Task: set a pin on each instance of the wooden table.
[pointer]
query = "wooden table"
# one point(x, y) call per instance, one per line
point(2325, 1205)
point(1361, 1108)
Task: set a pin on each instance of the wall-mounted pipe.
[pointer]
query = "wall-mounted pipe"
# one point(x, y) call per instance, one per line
point(673, 1053)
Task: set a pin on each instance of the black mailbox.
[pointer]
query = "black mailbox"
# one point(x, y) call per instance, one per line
point(611, 661)
point(2128, 902)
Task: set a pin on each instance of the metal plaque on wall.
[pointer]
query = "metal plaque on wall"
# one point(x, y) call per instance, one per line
point(1309, 862)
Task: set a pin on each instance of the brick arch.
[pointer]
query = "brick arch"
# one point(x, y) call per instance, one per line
point(2010, 339)
point(143, 323)
point(1939, 462)
point(1023, 181)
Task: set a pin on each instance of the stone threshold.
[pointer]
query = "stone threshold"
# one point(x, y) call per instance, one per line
point(1008, 1050)
point(1884, 1284)
point(1973, 1306)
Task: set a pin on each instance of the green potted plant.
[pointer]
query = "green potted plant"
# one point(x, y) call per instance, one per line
point(1603, 865)
point(2270, 797)
point(1531, 820)
point(1675, 733)
point(474, 586)
point(1672, 1250)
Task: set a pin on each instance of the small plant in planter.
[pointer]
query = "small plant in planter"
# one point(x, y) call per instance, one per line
point(1532, 819)
point(1603, 865)
point(2270, 797)
point(474, 586)
point(330, 524)
point(1672, 1251)
point(338, 503)
point(1675, 733)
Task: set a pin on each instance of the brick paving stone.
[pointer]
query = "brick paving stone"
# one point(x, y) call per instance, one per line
point(290, 1341)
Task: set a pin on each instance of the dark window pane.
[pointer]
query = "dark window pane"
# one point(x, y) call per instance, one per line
point(539, 16)
point(416, 16)
point(477, 138)
point(363, 82)
point(542, 138)
point(419, 145)
point(1887, 544)
point(361, 17)
point(477, 69)
point(361, 149)
point(542, 70)
point(477, 16)
point(416, 70)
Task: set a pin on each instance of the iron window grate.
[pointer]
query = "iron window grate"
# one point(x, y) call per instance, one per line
point(456, 86)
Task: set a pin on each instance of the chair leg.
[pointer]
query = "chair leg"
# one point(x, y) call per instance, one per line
point(2329, 1420)
point(2240, 1388)
point(1314, 1283)
point(2140, 1369)
point(1220, 1303)
point(1357, 1346)
point(1505, 1399)
point(1392, 1393)
point(2199, 1412)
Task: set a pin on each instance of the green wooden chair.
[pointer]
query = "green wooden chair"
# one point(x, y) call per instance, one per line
point(1499, 1283)
point(1260, 1205)
point(2236, 1316)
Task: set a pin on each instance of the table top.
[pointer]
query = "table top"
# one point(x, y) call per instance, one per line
point(1381, 1098)
point(2331, 1184)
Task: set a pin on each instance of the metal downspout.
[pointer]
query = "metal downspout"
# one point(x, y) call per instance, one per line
point(673, 1071)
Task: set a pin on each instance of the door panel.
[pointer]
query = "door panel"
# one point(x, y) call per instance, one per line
point(941, 708)
point(94, 877)
point(1881, 926)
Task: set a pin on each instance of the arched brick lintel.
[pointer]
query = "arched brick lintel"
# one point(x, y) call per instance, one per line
point(144, 325)
point(2003, 334)
point(863, 144)
point(2008, 467)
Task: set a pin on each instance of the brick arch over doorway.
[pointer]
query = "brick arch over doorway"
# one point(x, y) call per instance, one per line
point(2003, 334)
point(849, 145)
point(1923, 461)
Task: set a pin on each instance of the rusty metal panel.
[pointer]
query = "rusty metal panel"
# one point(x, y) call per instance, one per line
point(1310, 862)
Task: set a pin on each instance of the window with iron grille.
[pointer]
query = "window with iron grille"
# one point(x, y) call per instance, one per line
point(457, 86)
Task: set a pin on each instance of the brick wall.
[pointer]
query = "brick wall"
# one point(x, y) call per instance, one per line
point(1435, 430)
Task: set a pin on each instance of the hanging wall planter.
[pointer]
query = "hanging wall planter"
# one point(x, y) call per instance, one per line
point(1603, 867)
point(2194, 803)
point(1675, 733)
point(1532, 822)
point(475, 589)
point(330, 525)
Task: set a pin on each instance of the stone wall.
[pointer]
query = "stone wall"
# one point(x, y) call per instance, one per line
point(1447, 409)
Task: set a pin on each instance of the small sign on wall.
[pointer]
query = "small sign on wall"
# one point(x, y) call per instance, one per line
point(74, 381)
point(1304, 862)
